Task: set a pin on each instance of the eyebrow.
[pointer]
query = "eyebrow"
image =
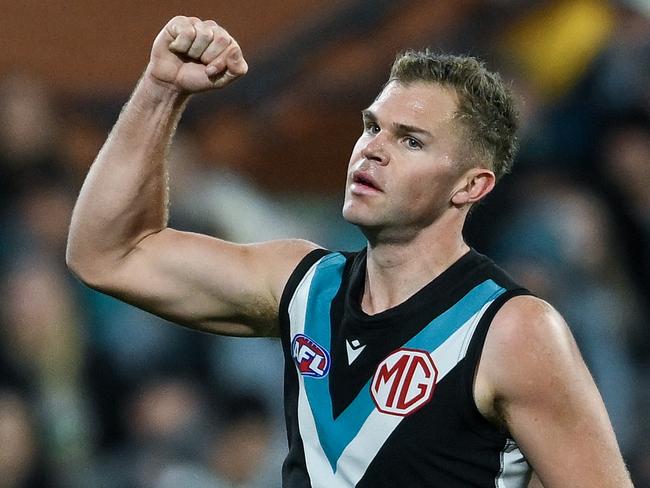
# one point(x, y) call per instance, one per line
point(399, 128)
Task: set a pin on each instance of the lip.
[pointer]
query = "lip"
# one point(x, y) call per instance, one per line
point(364, 182)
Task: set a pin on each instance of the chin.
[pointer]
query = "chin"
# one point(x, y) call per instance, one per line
point(356, 216)
point(353, 217)
point(349, 215)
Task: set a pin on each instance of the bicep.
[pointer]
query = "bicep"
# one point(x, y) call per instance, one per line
point(548, 399)
point(207, 283)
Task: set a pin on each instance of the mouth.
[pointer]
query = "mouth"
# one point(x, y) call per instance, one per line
point(363, 182)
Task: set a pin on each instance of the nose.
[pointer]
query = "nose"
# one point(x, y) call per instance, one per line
point(375, 150)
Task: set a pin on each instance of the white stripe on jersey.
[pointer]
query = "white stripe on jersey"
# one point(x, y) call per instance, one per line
point(514, 468)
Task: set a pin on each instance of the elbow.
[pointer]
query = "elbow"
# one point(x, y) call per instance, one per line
point(72, 260)
point(86, 268)
point(77, 267)
point(90, 276)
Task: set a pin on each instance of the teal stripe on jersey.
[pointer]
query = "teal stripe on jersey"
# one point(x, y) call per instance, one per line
point(324, 286)
point(335, 435)
point(323, 289)
point(450, 321)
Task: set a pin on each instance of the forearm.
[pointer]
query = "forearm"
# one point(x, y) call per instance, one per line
point(125, 196)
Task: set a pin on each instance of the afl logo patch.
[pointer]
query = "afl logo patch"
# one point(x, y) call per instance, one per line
point(404, 382)
point(312, 359)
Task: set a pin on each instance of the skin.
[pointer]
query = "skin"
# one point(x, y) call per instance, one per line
point(412, 215)
point(119, 241)
point(423, 198)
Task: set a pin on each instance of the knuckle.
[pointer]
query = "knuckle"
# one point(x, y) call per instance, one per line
point(201, 32)
point(221, 39)
point(180, 23)
point(185, 36)
point(174, 24)
point(220, 32)
point(235, 53)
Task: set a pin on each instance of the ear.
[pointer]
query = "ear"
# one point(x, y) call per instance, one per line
point(473, 186)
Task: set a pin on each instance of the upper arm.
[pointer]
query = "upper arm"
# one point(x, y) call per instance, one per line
point(203, 282)
point(544, 393)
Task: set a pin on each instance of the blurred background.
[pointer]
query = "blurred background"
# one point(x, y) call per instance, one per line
point(96, 393)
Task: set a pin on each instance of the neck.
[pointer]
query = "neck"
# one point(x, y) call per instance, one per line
point(397, 269)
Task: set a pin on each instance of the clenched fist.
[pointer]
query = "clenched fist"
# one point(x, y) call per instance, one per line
point(192, 55)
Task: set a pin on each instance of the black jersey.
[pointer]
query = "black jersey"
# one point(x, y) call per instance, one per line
point(387, 400)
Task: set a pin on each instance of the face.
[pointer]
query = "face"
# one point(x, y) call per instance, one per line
point(402, 171)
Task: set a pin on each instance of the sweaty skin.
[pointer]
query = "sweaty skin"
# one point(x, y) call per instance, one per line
point(405, 189)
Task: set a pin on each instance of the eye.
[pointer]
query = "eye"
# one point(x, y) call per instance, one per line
point(371, 127)
point(412, 143)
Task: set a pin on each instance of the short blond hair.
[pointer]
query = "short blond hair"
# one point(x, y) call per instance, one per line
point(486, 110)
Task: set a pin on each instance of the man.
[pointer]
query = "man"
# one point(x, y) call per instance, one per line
point(383, 380)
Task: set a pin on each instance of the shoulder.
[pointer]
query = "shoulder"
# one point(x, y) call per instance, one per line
point(539, 388)
point(529, 356)
point(526, 322)
point(281, 258)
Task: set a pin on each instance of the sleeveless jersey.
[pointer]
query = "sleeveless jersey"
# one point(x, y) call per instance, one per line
point(387, 400)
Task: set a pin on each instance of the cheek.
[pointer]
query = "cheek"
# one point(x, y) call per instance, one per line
point(425, 189)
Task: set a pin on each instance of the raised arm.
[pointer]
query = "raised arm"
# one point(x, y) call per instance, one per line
point(119, 242)
point(539, 387)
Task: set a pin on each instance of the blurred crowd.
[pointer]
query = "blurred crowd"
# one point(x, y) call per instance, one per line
point(94, 392)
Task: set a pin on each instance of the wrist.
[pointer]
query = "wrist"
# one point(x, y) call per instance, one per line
point(153, 92)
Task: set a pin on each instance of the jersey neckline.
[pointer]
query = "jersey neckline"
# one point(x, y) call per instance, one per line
point(437, 290)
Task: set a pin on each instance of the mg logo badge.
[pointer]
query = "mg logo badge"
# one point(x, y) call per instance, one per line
point(404, 382)
point(311, 359)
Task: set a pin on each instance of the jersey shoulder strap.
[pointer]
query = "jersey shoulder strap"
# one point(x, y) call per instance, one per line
point(294, 281)
point(474, 352)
